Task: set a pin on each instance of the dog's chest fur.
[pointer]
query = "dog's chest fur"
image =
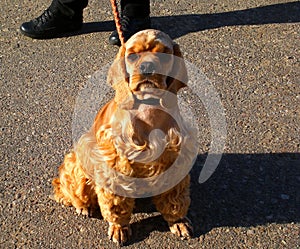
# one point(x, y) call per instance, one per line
point(150, 141)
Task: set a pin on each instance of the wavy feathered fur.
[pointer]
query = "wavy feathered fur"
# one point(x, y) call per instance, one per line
point(125, 155)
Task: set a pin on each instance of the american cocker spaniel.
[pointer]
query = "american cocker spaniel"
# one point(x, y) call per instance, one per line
point(139, 145)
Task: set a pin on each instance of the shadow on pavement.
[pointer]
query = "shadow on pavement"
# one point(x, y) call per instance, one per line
point(277, 13)
point(247, 190)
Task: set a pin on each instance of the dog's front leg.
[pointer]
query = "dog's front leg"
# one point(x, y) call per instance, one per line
point(173, 205)
point(117, 211)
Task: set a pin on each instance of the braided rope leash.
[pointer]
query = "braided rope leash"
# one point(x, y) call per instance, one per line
point(117, 19)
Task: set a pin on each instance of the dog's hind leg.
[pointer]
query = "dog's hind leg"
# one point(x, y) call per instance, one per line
point(72, 187)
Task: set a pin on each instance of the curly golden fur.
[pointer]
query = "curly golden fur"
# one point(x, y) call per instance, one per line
point(120, 147)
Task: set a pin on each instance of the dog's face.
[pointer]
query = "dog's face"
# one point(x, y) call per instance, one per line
point(149, 60)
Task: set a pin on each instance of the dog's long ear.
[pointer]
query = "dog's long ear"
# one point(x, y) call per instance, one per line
point(178, 77)
point(118, 78)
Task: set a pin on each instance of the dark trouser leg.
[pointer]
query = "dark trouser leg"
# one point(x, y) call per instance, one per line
point(134, 18)
point(75, 5)
point(135, 8)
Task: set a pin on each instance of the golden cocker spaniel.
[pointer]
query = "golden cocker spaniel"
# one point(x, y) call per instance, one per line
point(136, 138)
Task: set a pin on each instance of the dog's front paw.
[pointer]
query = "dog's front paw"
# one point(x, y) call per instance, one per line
point(182, 228)
point(82, 210)
point(119, 234)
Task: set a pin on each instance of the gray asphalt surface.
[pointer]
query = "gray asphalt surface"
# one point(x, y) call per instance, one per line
point(249, 50)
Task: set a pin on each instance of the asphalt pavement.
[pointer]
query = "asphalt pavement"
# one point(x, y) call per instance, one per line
point(248, 51)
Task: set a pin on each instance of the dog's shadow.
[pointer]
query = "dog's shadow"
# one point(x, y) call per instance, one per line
point(245, 190)
point(142, 229)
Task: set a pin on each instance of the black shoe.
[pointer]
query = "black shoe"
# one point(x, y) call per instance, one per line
point(51, 24)
point(130, 26)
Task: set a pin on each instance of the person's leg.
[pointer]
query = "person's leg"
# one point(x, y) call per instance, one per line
point(61, 17)
point(135, 8)
point(134, 17)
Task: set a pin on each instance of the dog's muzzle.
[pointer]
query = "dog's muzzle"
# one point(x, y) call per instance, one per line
point(147, 68)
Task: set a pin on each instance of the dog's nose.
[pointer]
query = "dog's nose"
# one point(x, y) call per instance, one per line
point(147, 68)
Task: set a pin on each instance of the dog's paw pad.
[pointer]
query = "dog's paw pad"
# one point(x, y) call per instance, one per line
point(119, 234)
point(182, 228)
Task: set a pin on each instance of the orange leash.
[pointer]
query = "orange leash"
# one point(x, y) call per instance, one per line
point(114, 6)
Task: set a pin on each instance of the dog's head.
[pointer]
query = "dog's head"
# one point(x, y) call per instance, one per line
point(149, 60)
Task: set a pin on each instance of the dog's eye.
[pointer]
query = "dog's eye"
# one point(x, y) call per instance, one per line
point(132, 57)
point(164, 58)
